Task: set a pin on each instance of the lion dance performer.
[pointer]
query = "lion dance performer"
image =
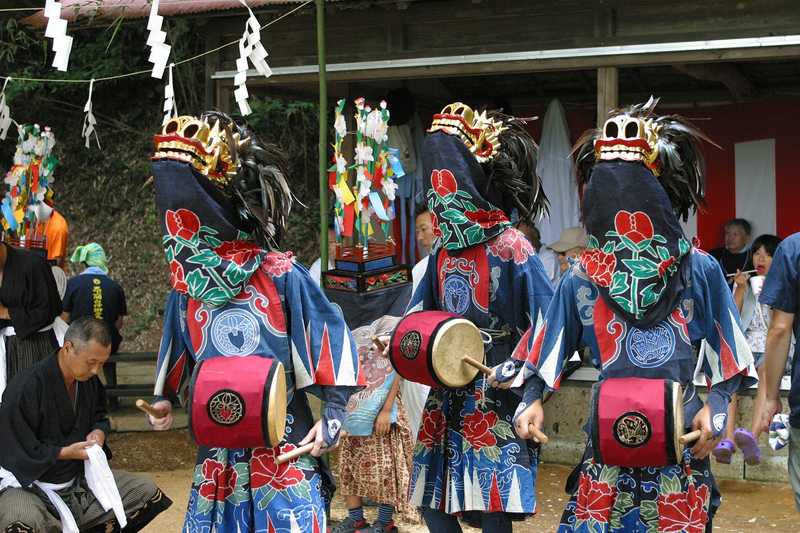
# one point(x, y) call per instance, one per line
point(640, 298)
point(467, 460)
point(223, 200)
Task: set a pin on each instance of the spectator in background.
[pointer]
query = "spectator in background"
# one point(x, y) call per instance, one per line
point(735, 255)
point(755, 323)
point(425, 232)
point(57, 233)
point(92, 293)
point(531, 232)
point(29, 303)
point(570, 244)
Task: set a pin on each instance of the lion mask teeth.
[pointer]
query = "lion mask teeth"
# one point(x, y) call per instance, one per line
point(479, 133)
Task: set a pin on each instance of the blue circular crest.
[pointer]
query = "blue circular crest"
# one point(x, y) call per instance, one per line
point(235, 332)
point(649, 348)
point(457, 295)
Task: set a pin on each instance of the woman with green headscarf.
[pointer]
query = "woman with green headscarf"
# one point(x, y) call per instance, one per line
point(93, 293)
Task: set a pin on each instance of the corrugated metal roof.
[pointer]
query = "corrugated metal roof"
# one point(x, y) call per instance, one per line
point(80, 9)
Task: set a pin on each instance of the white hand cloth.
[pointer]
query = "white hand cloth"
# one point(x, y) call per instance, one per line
point(101, 482)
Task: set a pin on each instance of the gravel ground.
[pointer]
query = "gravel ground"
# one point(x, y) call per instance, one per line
point(748, 507)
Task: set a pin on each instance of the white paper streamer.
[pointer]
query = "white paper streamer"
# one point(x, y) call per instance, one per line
point(5, 113)
point(89, 121)
point(170, 109)
point(57, 30)
point(250, 47)
point(156, 40)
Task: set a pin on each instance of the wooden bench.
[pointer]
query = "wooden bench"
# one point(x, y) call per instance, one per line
point(115, 391)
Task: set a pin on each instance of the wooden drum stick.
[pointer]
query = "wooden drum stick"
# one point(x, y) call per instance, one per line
point(297, 452)
point(476, 364)
point(149, 409)
point(689, 437)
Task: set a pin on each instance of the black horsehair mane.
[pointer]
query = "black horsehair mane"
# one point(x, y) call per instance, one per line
point(513, 170)
point(680, 156)
point(260, 190)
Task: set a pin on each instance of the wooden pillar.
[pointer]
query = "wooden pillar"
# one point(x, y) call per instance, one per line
point(607, 93)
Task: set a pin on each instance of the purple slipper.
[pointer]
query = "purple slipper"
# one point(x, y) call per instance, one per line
point(749, 446)
point(724, 451)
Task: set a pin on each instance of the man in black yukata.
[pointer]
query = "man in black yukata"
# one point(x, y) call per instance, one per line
point(29, 302)
point(51, 414)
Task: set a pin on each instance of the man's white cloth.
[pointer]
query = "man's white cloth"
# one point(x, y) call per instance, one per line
point(100, 481)
point(415, 395)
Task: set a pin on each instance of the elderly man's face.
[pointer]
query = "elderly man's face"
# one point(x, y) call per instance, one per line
point(424, 232)
point(736, 238)
point(85, 360)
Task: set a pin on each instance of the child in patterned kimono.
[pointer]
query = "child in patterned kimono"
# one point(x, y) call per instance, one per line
point(233, 296)
point(467, 461)
point(640, 298)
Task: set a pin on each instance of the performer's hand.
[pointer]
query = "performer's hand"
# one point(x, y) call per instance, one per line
point(383, 423)
point(705, 444)
point(4, 313)
point(502, 375)
point(75, 451)
point(97, 437)
point(533, 415)
point(316, 436)
point(769, 409)
point(164, 422)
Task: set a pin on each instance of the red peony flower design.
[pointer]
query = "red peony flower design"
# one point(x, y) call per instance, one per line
point(176, 277)
point(664, 265)
point(599, 266)
point(486, 219)
point(276, 264)
point(182, 223)
point(444, 182)
point(240, 252)
point(265, 471)
point(478, 429)
point(595, 500)
point(511, 244)
point(683, 511)
point(635, 226)
point(219, 482)
point(435, 221)
point(432, 429)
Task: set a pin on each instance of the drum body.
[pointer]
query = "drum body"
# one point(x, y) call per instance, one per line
point(238, 402)
point(427, 347)
point(637, 422)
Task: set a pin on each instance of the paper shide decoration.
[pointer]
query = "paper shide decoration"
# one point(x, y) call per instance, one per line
point(57, 30)
point(156, 40)
point(89, 122)
point(250, 47)
point(5, 113)
point(170, 109)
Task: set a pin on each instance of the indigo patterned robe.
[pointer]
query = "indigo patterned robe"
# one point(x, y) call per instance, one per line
point(674, 498)
point(468, 457)
point(279, 313)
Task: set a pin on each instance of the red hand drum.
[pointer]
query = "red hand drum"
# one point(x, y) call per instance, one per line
point(637, 422)
point(238, 402)
point(428, 347)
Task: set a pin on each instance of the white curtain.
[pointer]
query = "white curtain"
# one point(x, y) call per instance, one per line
point(557, 171)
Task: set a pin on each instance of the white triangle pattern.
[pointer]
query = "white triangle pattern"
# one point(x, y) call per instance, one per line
point(514, 503)
point(346, 375)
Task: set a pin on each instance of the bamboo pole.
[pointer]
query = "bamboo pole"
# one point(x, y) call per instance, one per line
point(323, 138)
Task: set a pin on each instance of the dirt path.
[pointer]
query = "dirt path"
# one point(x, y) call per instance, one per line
point(748, 507)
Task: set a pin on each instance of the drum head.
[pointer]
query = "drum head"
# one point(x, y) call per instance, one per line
point(677, 413)
point(455, 339)
point(276, 406)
